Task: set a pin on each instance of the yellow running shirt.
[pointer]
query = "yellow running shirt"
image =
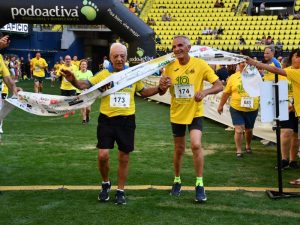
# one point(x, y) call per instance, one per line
point(268, 76)
point(294, 76)
point(186, 81)
point(120, 103)
point(38, 67)
point(239, 96)
point(66, 85)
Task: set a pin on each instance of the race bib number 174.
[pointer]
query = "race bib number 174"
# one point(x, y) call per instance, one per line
point(184, 90)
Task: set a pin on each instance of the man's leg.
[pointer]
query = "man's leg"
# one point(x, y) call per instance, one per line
point(40, 87)
point(198, 156)
point(293, 151)
point(36, 86)
point(179, 149)
point(103, 162)
point(285, 140)
point(122, 169)
point(197, 150)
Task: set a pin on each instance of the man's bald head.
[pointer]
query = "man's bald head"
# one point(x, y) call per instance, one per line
point(118, 56)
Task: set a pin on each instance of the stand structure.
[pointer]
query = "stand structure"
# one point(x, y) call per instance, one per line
point(278, 194)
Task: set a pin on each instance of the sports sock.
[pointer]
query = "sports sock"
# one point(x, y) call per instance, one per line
point(199, 181)
point(177, 180)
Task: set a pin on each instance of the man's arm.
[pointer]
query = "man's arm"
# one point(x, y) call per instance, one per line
point(11, 85)
point(80, 84)
point(216, 88)
point(267, 67)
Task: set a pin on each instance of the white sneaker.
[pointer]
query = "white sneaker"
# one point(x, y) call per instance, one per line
point(1, 131)
point(229, 128)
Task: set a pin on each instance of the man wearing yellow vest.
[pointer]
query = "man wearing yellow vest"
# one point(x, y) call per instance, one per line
point(38, 65)
point(116, 122)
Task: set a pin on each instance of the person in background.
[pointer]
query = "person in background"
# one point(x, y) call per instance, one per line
point(38, 65)
point(293, 74)
point(84, 74)
point(243, 109)
point(66, 88)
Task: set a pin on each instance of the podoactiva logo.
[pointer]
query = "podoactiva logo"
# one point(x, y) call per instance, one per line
point(88, 9)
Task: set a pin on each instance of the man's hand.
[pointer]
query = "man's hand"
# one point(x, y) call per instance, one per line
point(199, 96)
point(4, 41)
point(164, 83)
point(220, 109)
point(69, 75)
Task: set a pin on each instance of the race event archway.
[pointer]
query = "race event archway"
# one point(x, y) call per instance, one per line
point(111, 13)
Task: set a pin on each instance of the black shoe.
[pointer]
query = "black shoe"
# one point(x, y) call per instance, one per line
point(294, 165)
point(104, 193)
point(200, 194)
point(176, 189)
point(284, 164)
point(87, 118)
point(120, 198)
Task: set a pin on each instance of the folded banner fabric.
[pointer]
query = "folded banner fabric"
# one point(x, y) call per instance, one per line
point(54, 105)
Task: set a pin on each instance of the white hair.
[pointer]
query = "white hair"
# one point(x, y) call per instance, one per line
point(118, 46)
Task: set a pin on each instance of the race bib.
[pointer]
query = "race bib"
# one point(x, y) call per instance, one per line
point(247, 102)
point(37, 69)
point(120, 99)
point(184, 90)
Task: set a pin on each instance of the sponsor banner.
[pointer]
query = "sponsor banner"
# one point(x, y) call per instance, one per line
point(52, 105)
point(113, 14)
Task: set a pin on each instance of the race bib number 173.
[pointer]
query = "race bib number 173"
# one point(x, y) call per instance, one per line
point(120, 99)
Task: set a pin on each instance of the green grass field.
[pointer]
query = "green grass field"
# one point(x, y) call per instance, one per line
point(58, 151)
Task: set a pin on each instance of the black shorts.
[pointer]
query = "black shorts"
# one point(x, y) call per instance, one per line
point(179, 129)
point(119, 129)
point(67, 92)
point(3, 95)
point(38, 79)
point(292, 123)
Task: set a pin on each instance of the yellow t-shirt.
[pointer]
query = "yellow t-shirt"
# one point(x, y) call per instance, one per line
point(56, 68)
point(76, 63)
point(4, 88)
point(294, 76)
point(268, 76)
point(4, 72)
point(66, 85)
point(235, 88)
point(38, 67)
point(186, 81)
point(120, 103)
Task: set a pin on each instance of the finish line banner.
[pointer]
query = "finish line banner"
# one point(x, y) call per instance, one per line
point(55, 105)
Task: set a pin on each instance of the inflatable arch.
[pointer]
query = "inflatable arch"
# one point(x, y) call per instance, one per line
point(110, 13)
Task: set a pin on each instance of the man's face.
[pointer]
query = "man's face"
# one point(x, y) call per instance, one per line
point(180, 48)
point(296, 61)
point(68, 60)
point(118, 57)
point(75, 58)
point(38, 55)
point(268, 54)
